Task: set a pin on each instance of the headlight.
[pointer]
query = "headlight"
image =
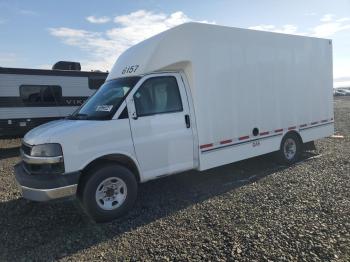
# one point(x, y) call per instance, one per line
point(47, 150)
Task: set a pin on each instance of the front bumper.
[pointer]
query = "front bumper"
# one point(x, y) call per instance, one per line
point(46, 186)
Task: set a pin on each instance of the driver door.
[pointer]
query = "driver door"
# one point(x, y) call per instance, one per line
point(160, 125)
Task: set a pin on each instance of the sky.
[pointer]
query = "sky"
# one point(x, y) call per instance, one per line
point(38, 33)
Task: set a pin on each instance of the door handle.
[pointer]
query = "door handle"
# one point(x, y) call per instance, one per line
point(134, 116)
point(187, 121)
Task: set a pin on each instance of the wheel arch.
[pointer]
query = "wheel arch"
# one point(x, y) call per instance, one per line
point(121, 159)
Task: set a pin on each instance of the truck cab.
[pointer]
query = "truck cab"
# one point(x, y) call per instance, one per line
point(138, 126)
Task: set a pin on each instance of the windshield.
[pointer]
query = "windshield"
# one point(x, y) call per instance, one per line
point(105, 102)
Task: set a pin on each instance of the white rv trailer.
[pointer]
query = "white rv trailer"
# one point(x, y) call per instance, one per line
point(31, 97)
point(196, 96)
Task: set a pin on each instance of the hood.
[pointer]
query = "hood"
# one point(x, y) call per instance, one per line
point(55, 131)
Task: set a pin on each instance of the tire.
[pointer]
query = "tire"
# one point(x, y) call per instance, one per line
point(290, 149)
point(108, 192)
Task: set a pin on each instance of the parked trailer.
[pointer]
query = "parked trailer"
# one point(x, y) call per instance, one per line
point(31, 97)
point(196, 96)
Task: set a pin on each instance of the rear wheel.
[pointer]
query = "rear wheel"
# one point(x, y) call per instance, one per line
point(290, 149)
point(108, 192)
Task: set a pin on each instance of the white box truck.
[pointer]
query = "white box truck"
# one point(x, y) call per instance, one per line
point(196, 96)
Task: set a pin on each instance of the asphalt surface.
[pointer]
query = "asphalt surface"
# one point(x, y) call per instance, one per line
point(253, 210)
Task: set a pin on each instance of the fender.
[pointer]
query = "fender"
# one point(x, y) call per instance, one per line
point(124, 157)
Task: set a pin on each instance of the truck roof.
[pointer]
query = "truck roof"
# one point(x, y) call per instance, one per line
point(174, 48)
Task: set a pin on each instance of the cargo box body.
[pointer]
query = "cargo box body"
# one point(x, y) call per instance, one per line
point(240, 81)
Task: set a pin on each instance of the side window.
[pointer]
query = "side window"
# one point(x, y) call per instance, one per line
point(158, 95)
point(40, 94)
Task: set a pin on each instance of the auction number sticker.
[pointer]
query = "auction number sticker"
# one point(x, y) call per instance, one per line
point(130, 69)
point(104, 108)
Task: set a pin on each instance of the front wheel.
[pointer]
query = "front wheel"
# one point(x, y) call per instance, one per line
point(290, 149)
point(108, 192)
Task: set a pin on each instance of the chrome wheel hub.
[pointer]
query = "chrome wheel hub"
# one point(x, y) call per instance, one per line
point(289, 148)
point(111, 193)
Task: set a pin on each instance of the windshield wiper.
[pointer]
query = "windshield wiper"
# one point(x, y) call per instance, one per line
point(77, 116)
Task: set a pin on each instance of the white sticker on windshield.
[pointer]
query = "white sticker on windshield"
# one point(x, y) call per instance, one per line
point(104, 108)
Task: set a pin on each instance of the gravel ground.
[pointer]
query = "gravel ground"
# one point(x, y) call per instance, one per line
point(250, 210)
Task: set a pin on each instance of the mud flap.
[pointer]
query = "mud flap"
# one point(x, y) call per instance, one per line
point(309, 146)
